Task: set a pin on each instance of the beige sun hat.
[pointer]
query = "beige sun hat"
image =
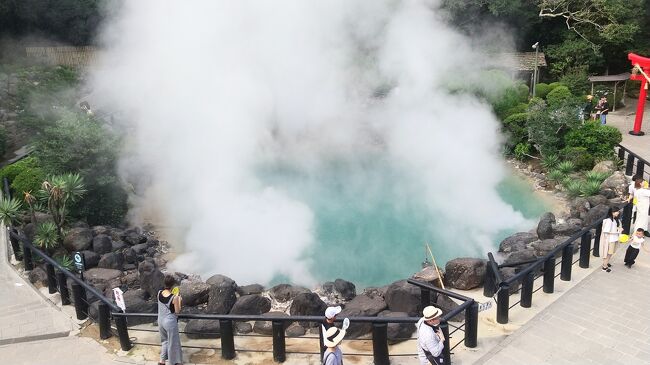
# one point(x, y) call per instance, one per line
point(333, 336)
point(431, 312)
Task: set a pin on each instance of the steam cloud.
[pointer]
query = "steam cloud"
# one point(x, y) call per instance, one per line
point(216, 89)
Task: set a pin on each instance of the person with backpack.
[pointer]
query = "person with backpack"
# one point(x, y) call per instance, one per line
point(430, 337)
point(332, 339)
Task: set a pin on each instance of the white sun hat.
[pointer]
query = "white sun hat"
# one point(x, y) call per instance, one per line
point(431, 312)
point(333, 336)
point(331, 312)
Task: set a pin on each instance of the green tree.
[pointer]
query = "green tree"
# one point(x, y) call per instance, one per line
point(59, 192)
point(547, 125)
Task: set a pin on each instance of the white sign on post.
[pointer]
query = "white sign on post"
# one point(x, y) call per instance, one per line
point(484, 306)
point(119, 298)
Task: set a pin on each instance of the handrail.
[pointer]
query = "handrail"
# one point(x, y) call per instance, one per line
point(89, 288)
point(452, 294)
point(635, 155)
point(244, 317)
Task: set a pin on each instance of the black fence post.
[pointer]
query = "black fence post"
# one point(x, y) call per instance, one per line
point(104, 321)
point(321, 342)
point(446, 351)
point(489, 285)
point(380, 344)
point(123, 333)
point(27, 258)
point(227, 339)
point(471, 325)
point(51, 278)
point(62, 281)
point(585, 247)
point(527, 290)
point(599, 231)
point(425, 297)
point(627, 218)
point(629, 167)
point(15, 244)
point(549, 275)
point(621, 154)
point(80, 303)
point(279, 345)
point(639, 168)
point(567, 262)
point(503, 303)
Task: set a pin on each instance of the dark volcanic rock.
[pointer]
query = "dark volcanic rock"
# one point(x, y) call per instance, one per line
point(543, 247)
point(243, 327)
point(202, 328)
point(251, 304)
point(398, 332)
point(78, 239)
point(307, 304)
point(522, 255)
point(545, 226)
point(361, 306)
point(567, 229)
point(516, 242)
point(133, 236)
point(194, 292)
point(136, 302)
point(97, 230)
point(140, 248)
point(221, 280)
point(102, 244)
point(250, 289)
point(595, 214)
point(465, 273)
point(295, 330)
point(345, 288)
point(91, 259)
point(266, 327)
point(221, 299)
point(286, 292)
point(130, 256)
point(112, 260)
point(118, 245)
point(151, 279)
point(108, 278)
point(447, 305)
point(38, 276)
point(403, 297)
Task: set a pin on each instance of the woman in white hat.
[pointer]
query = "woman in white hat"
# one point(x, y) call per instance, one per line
point(332, 339)
point(430, 337)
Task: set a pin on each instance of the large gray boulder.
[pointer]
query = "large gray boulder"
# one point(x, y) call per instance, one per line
point(151, 279)
point(250, 289)
point(112, 260)
point(221, 299)
point(605, 167)
point(285, 292)
point(543, 247)
point(107, 278)
point(102, 244)
point(403, 297)
point(568, 228)
point(97, 230)
point(545, 226)
point(343, 288)
point(202, 328)
point(38, 276)
point(398, 332)
point(221, 280)
point(579, 207)
point(465, 273)
point(521, 255)
point(136, 302)
point(595, 213)
point(428, 275)
point(91, 259)
point(617, 182)
point(361, 306)
point(266, 327)
point(447, 305)
point(516, 242)
point(194, 292)
point(133, 236)
point(78, 239)
point(251, 304)
point(595, 200)
point(307, 304)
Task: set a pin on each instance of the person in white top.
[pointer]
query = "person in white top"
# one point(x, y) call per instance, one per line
point(609, 237)
point(637, 242)
point(642, 197)
point(636, 184)
point(430, 337)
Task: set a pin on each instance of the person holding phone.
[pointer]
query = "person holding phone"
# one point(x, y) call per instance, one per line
point(169, 305)
point(430, 337)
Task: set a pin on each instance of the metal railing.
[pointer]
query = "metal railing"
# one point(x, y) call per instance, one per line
point(634, 164)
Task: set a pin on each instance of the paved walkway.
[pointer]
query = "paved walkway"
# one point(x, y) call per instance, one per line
point(24, 314)
point(623, 119)
point(605, 319)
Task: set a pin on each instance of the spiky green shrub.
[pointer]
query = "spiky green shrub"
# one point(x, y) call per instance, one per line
point(555, 176)
point(549, 162)
point(566, 167)
point(574, 188)
point(590, 188)
point(596, 176)
point(10, 210)
point(46, 236)
point(65, 261)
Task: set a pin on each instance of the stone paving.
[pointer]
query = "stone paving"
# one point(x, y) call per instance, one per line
point(24, 314)
point(623, 119)
point(605, 319)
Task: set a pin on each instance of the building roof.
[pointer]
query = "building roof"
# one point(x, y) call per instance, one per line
point(610, 78)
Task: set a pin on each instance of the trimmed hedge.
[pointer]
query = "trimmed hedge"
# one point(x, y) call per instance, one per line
point(599, 140)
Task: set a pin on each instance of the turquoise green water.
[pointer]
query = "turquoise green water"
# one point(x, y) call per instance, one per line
point(371, 222)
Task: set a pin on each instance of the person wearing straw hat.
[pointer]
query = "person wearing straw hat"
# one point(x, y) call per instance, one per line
point(330, 318)
point(332, 339)
point(430, 337)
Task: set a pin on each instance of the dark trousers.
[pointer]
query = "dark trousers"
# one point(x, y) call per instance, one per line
point(630, 255)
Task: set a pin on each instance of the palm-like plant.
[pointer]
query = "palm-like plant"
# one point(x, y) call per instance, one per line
point(59, 191)
point(590, 188)
point(550, 162)
point(47, 236)
point(566, 167)
point(596, 176)
point(65, 261)
point(10, 210)
point(574, 188)
point(31, 201)
point(555, 176)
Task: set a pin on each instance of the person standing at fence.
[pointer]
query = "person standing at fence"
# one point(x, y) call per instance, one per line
point(333, 355)
point(169, 305)
point(636, 243)
point(430, 337)
point(642, 197)
point(631, 197)
point(609, 237)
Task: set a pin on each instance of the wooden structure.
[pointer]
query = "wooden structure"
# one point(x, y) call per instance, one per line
point(616, 79)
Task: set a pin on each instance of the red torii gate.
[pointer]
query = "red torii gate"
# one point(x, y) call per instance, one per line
point(640, 72)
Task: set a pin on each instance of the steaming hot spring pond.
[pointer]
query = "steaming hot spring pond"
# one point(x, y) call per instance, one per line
point(371, 225)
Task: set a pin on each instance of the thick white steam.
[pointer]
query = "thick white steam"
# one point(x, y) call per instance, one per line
point(213, 90)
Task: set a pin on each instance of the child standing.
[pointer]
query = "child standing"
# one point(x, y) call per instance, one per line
point(638, 241)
